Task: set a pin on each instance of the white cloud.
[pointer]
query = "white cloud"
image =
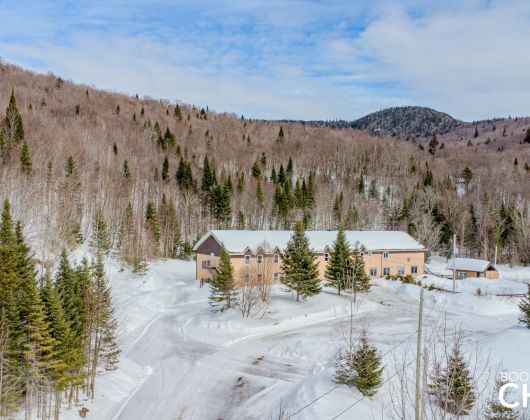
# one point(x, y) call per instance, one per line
point(292, 59)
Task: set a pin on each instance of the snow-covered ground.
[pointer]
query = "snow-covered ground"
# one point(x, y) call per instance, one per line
point(182, 361)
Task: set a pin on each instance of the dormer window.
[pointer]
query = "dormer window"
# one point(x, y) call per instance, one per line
point(247, 259)
point(260, 259)
point(276, 258)
point(326, 257)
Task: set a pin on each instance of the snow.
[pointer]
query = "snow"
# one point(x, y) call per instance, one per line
point(237, 241)
point(468, 264)
point(180, 360)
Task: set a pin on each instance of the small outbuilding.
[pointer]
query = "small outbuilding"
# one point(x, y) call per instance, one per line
point(472, 267)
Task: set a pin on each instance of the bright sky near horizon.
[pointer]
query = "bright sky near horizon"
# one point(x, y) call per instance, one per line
point(296, 59)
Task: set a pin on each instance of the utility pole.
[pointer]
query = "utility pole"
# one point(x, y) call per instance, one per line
point(417, 408)
point(454, 262)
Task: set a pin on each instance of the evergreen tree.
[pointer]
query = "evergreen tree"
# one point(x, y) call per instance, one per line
point(282, 177)
point(299, 265)
point(256, 170)
point(428, 179)
point(184, 176)
point(524, 307)
point(11, 128)
point(222, 287)
point(165, 170)
point(339, 264)
point(290, 167)
point(126, 173)
point(360, 184)
point(495, 410)
point(208, 178)
point(433, 145)
point(281, 135)
point(178, 113)
point(105, 325)
point(25, 159)
point(273, 178)
point(153, 224)
point(7, 231)
point(471, 238)
point(100, 234)
point(452, 387)
point(366, 364)
point(360, 281)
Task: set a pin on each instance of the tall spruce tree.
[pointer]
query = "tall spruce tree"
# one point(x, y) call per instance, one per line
point(339, 264)
point(366, 364)
point(11, 128)
point(359, 280)
point(299, 265)
point(452, 386)
point(25, 159)
point(100, 233)
point(222, 287)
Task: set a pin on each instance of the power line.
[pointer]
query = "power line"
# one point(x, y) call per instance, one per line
point(337, 386)
point(364, 396)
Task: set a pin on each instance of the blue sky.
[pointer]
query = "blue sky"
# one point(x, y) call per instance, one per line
point(286, 59)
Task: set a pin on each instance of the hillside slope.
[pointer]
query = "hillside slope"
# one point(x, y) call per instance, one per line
point(160, 174)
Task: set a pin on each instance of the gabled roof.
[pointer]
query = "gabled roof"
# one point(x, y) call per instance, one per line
point(237, 241)
point(469, 264)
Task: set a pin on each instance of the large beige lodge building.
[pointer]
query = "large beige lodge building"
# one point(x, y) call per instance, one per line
point(255, 254)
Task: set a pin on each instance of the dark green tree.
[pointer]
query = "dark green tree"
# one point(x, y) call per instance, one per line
point(433, 145)
point(25, 159)
point(339, 263)
point(222, 287)
point(165, 170)
point(299, 265)
point(367, 366)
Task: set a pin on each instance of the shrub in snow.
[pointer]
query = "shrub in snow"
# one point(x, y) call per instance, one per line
point(524, 306)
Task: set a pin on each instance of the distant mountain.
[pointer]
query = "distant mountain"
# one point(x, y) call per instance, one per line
point(405, 121)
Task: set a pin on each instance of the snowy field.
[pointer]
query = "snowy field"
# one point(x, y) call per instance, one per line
point(182, 361)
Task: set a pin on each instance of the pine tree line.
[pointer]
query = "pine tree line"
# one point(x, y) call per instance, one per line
point(56, 334)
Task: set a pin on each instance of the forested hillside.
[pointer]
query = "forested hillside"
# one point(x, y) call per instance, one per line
point(156, 175)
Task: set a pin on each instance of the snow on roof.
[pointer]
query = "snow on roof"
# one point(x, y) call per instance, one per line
point(468, 264)
point(237, 241)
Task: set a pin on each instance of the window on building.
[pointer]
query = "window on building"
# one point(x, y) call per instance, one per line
point(260, 277)
point(461, 274)
point(386, 271)
point(260, 259)
point(276, 276)
point(276, 258)
point(373, 271)
point(247, 277)
point(401, 270)
point(326, 257)
point(369, 253)
point(414, 269)
point(206, 264)
point(247, 259)
point(385, 254)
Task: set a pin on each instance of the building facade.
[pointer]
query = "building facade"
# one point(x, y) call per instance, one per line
point(255, 255)
point(472, 267)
